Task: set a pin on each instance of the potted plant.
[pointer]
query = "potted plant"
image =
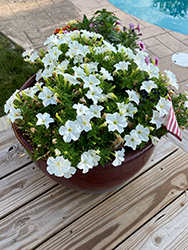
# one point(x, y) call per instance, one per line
point(93, 112)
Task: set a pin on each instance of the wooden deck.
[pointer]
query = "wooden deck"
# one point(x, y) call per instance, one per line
point(148, 213)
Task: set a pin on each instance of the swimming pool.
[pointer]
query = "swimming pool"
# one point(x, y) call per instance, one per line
point(169, 14)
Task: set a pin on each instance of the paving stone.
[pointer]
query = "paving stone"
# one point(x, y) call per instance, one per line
point(160, 50)
point(151, 42)
point(185, 42)
point(64, 10)
point(178, 36)
point(152, 31)
point(183, 86)
point(39, 21)
point(85, 4)
point(171, 42)
point(6, 11)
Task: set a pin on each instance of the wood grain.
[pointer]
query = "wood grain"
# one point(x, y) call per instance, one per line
point(10, 159)
point(116, 218)
point(21, 187)
point(168, 230)
point(7, 138)
point(55, 204)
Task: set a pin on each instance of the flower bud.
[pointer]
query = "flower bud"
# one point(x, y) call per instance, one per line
point(33, 130)
point(57, 152)
point(54, 141)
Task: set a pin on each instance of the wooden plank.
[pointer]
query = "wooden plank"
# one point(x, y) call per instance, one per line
point(7, 138)
point(161, 151)
point(10, 159)
point(181, 144)
point(41, 218)
point(21, 187)
point(76, 205)
point(50, 212)
point(168, 230)
point(116, 218)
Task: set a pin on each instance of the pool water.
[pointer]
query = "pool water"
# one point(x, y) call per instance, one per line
point(169, 14)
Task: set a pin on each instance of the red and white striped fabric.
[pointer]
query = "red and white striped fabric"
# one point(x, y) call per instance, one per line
point(172, 124)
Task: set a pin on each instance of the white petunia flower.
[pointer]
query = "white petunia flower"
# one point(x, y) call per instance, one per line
point(10, 102)
point(132, 140)
point(38, 75)
point(63, 66)
point(122, 65)
point(89, 67)
point(152, 70)
point(83, 122)
point(69, 78)
point(172, 79)
point(14, 114)
point(91, 81)
point(79, 72)
point(95, 111)
point(119, 157)
point(163, 106)
point(44, 119)
point(27, 53)
point(48, 59)
point(116, 122)
point(139, 59)
point(127, 109)
point(142, 132)
point(94, 94)
point(86, 162)
point(47, 97)
point(55, 52)
point(148, 85)
point(95, 157)
point(106, 75)
point(133, 96)
point(46, 73)
point(80, 109)
point(157, 119)
point(33, 57)
point(70, 131)
point(60, 167)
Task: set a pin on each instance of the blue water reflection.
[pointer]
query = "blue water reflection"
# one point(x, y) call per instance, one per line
point(169, 14)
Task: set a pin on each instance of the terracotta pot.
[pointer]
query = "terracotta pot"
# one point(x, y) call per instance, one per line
point(98, 179)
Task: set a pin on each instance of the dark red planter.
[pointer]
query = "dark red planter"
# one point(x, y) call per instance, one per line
point(99, 178)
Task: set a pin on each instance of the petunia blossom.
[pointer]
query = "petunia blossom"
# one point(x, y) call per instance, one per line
point(47, 97)
point(14, 114)
point(133, 96)
point(116, 122)
point(163, 106)
point(70, 131)
point(157, 119)
point(60, 167)
point(132, 140)
point(86, 163)
point(119, 157)
point(44, 119)
point(142, 132)
point(148, 86)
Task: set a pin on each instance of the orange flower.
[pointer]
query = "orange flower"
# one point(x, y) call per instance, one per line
point(56, 31)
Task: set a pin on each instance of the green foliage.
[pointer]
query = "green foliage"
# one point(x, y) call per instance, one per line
point(14, 71)
point(108, 25)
